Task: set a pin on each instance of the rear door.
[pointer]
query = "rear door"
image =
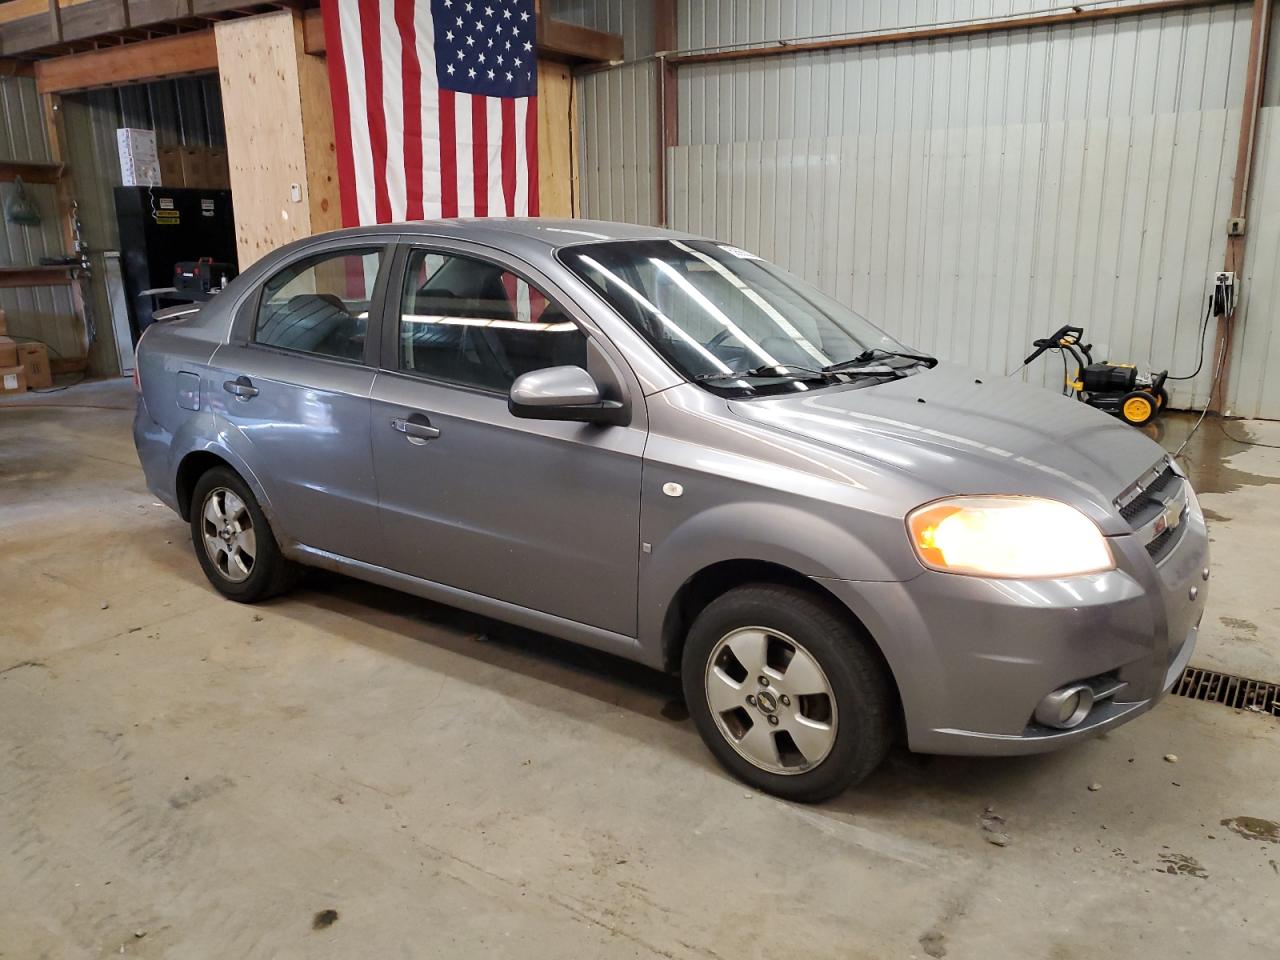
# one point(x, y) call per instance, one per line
point(293, 387)
point(541, 514)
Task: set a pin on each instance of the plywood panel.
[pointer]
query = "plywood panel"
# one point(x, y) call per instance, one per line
point(557, 127)
point(318, 143)
point(267, 149)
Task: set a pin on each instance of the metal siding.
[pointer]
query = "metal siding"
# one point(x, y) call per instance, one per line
point(1255, 385)
point(971, 194)
point(618, 117)
point(39, 313)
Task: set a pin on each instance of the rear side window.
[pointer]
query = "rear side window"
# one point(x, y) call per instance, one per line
point(320, 305)
point(471, 322)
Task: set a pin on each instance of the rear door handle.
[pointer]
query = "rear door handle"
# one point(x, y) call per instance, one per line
point(417, 428)
point(241, 388)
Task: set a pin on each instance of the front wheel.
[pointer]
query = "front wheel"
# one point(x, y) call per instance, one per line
point(233, 541)
point(786, 692)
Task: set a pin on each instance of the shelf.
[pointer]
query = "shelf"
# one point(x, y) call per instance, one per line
point(49, 173)
point(35, 276)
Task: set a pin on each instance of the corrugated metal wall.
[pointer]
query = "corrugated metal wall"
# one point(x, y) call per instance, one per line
point(1255, 361)
point(41, 313)
point(971, 194)
point(617, 113)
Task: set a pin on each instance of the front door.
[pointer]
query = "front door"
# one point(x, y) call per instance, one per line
point(296, 391)
point(541, 514)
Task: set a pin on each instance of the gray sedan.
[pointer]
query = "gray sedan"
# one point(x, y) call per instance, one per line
point(667, 448)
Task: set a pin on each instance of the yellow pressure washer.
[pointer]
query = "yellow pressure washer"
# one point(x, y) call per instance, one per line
point(1116, 388)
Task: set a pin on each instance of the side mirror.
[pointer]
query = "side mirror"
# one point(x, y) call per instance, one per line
point(562, 393)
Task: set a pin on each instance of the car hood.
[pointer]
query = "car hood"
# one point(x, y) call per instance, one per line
point(963, 432)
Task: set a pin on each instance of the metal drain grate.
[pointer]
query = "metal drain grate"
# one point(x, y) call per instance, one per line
point(1239, 692)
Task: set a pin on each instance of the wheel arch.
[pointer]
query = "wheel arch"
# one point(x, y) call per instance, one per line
point(192, 467)
point(197, 461)
point(719, 578)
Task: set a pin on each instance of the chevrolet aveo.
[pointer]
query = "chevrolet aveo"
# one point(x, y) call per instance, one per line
point(667, 448)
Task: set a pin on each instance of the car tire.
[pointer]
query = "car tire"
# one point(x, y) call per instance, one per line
point(234, 542)
point(798, 631)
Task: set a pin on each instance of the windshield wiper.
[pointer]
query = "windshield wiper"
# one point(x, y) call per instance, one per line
point(870, 356)
point(786, 371)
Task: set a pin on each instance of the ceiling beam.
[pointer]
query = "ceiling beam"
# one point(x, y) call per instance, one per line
point(143, 61)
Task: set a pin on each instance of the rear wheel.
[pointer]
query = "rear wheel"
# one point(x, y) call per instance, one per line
point(786, 693)
point(233, 540)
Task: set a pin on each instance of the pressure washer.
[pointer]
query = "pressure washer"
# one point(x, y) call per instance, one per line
point(1118, 388)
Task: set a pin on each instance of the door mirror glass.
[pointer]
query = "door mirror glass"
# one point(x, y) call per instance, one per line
point(561, 393)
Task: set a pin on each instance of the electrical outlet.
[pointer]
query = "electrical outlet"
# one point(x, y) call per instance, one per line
point(1225, 278)
point(1235, 227)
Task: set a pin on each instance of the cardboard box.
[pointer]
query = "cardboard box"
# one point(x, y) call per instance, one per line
point(139, 161)
point(8, 352)
point(4, 322)
point(34, 358)
point(195, 166)
point(12, 380)
point(171, 167)
point(219, 171)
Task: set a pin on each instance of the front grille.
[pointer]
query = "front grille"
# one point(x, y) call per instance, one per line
point(1150, 498)
point(1161, 544)
point(1239, 692)
point(1145, 503)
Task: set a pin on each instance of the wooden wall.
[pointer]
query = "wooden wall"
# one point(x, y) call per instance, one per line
point(557, 141)
point(279, 123)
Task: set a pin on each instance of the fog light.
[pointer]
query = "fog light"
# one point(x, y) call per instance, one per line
point(1065, 708)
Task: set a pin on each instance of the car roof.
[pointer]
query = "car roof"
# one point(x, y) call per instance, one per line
point(551, 233)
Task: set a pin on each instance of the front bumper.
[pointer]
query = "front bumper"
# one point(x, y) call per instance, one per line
point(973, 657)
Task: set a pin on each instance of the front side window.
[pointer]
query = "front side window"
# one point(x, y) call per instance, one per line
point(320, 304)
point(471, 322)
point(724, 317)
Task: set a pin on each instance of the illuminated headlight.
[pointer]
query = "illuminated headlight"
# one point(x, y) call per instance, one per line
point(1007, 537)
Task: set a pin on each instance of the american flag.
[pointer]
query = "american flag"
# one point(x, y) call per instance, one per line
point(434, 108)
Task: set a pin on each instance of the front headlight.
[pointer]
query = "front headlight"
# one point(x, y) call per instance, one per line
point(1008, 537)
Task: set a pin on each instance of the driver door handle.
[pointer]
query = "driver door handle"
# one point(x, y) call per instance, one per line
point(241, 388)
point(417, 429)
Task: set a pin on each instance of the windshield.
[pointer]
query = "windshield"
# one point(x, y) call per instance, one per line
point(714, 311)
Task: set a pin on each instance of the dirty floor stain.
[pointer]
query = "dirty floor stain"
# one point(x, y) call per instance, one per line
point(1254, 828)
point(1181, 865)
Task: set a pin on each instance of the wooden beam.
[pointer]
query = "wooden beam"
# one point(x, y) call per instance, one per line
point(556, 40)
point(1000, 25)
point(17, 68)
point(34, 276)
point(158, 59)
point(568, 41)
point(55, 21)
point(46, 173)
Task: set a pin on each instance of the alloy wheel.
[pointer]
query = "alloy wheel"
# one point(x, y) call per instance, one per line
point(229, 537)
point(771, 700)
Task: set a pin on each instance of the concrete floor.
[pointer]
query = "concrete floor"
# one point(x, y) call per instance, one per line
point(186, 777)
